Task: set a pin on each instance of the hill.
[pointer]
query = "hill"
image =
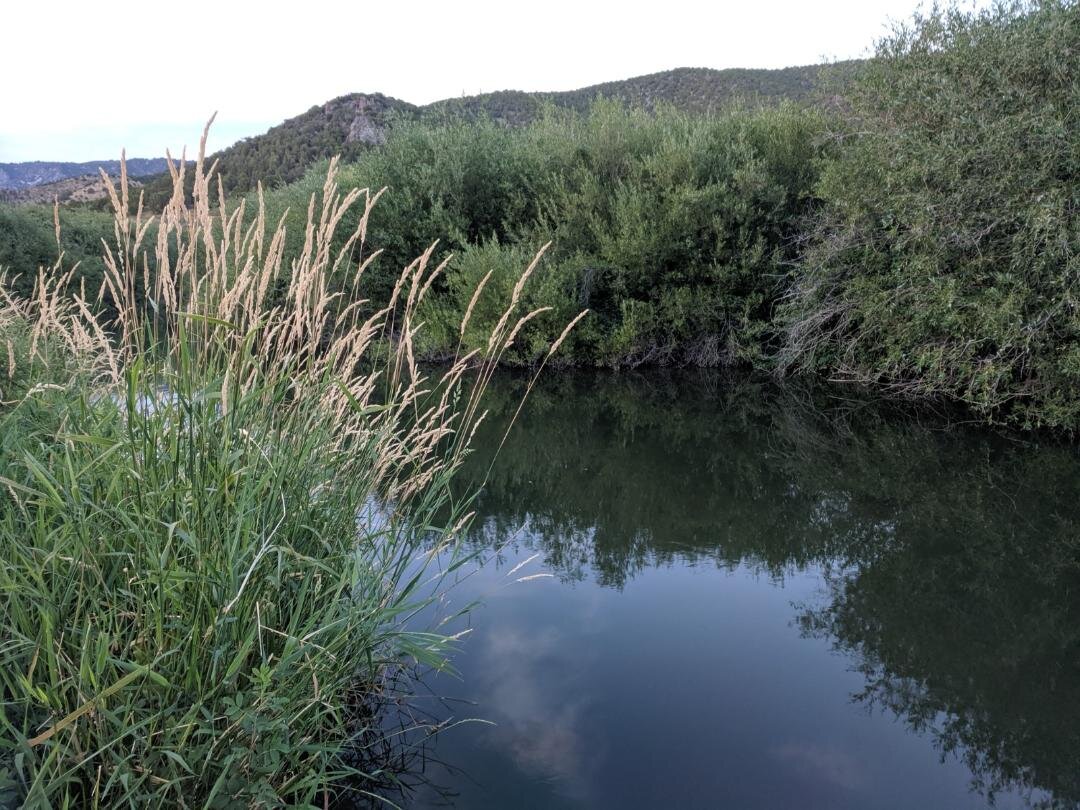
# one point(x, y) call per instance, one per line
point(34, 173)
point(689, 89)
point(282, 154)
point(347, 125)
point(85, 188)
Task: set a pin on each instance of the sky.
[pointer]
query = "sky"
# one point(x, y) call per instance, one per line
point(84, 79)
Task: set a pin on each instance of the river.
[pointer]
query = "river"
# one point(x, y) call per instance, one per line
point(700, 592)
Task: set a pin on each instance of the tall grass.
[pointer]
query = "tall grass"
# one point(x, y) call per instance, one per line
point(219, 514)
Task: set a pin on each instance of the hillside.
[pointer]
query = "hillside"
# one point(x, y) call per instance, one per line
point(348, 124)
point(85, 188)
point(283, 153)
point(703, 89)
point(34, 173)
point(689, 89)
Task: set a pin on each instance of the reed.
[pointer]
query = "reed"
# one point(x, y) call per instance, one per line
point(220, 514)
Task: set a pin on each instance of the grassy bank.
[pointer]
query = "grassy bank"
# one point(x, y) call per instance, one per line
point(219, 512)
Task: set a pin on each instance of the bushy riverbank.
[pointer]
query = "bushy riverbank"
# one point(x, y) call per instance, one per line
point(919, 236)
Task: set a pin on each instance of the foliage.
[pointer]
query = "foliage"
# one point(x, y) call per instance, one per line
point(947, 257)
point(676, 231)
point(28, 242)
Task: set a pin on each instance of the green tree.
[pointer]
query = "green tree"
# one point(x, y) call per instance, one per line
point(946, 259)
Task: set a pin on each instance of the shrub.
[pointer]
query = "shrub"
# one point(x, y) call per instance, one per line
point(945, 261)
point(678, 231)
point(28, 241)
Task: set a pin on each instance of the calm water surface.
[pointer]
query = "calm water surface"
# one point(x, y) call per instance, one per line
point(706, 593)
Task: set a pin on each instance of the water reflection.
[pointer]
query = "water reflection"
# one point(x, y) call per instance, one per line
point(976, 642)
point(943, 565)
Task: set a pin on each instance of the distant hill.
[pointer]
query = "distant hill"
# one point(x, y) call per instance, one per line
point(690, 89)
point(34, 173)
point(357, 121)
point(85, 188)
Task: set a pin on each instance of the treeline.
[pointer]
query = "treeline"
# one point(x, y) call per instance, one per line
point(921, 235)
point(924, 240)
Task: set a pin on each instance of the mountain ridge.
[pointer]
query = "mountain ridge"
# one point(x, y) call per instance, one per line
point(353, 122)
point(22, 175)
point(82, 188)
point(693, 89)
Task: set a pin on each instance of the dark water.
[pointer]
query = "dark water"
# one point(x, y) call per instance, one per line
point(762, 599)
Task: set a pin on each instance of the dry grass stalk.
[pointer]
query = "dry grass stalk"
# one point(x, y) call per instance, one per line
point(203, 287)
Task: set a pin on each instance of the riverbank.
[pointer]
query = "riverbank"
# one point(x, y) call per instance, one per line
point(918, 236)
point(218, 515)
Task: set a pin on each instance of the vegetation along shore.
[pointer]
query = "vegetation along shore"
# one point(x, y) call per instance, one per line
point(227, 476)
point(912, 226)
point(222, 499)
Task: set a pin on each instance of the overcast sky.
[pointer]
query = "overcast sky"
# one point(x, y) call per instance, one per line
point(82, 79)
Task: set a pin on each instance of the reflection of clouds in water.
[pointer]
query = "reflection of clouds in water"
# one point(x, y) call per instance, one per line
point(823, 763)
point(551, 748)
point(374, 517)
point(529, 683)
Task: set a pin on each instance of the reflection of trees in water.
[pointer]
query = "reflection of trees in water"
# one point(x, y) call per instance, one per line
point(954, 556)
point(633, 473)
point(974, 638)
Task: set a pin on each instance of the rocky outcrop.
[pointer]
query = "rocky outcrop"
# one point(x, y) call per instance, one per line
point(369, 124)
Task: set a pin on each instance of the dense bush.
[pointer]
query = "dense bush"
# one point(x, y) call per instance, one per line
point(946, 260)
point(28, 241)
point(677, 231)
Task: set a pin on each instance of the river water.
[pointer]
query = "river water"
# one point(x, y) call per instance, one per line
point(699, 592)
